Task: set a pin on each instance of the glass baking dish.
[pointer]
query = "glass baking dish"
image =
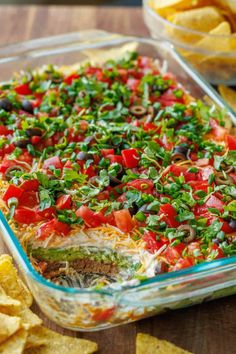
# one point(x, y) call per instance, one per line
point(90, 310)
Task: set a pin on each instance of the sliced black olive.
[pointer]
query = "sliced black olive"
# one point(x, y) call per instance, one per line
point(10, 169)
point(223, 179)
point(114, 181)
point(227, 168)
point(138, 111)
point(84, 156)
point(232, 223)
point(189, 232)
point(133, 209)
point(21, 143)
point(27, 106)
point(34, 132)
point(181, 150)
point(177, 157)
point(5, 104)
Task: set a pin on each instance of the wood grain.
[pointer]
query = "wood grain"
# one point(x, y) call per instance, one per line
point(207, 328)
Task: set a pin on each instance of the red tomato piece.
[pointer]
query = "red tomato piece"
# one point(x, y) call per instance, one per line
point(54, 162)
point(214, 202)
point(226, 228)
point(183, 263)
point(25, 216)
point(219, 252)
point(217, 131)
point(89, 171)
point(133, 84)
point(115, 159)
point(23, 89)
point(182, 170)
point(35, 140)
point(30, 185)
point(231, 141)
point(106, 152)
point(143, 185)
point(199, 185)
point(53, 227)
point(168, 215)
point(69, 79)
point(12, 192)
point(123, 220)
point(4, 130)
point(152, 244)
point(64, 202)
point(90, 218)
point(29, 199)
point(46, 214)
point(204, 173)
point(174, 253)
point(103, 315)
point(130, 157)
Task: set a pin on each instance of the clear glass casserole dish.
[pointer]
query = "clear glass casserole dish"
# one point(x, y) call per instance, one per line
point(86, 309)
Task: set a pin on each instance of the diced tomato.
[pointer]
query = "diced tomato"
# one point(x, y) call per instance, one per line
point(133, 84)
point(25, 216)
point(194, 250)
point(64, 202)
point(35, 140)
point(29, 199)
point(226, 228)
point(106, 152)
point(30, 185)
point(182, 170)
point(115, 159)
point(199, 185)
point(12, 192)
point(23, 89)
point(168, 98)
point(233, 175)
point(214, 202)
point(103, 195)
point(231, 142)
point(204, 173)
point(26, 157)
point(7, 163)
point(164, 141)
point(90, 218)
point(130, 157)
point(46, 214)
point(143, 185)
point(152, 244)
point(5, 131)
point(90, 172)
point(174, 253)
point(219, 252)
point(149, 126)
point(69, 79)
point(144, 62)
point(103, 315)
point(182, 263)
point(54, 162)
point(123, 220)
point(168, 215)
point(53, 227)
point(217, 131)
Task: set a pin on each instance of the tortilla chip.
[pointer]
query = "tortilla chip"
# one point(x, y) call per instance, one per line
point(11, 283)
point(61, 344)
point(221, 44)
point(202, 19)
point(29, 319)
point(229, 95)
point(6, 302)
point(166, 8)
point(230, 4)
point(8, 326)
point(15, 344)
point(35, 338)
point(146, 344)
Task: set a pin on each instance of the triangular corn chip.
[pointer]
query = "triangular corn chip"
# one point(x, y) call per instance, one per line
point(11, 283)
point(61, 344)
point(15, 344)
point(9, 325)
point(146, 344)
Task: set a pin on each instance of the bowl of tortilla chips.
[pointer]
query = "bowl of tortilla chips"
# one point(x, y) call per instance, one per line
point(203, 32)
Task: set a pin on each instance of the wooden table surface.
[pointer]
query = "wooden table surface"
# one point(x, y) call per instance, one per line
point(207, 328)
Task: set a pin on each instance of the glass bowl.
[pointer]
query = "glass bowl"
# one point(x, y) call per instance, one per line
point(96, 309)
point(201, 49)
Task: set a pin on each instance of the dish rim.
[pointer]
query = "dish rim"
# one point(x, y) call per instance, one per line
point(109, 38)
